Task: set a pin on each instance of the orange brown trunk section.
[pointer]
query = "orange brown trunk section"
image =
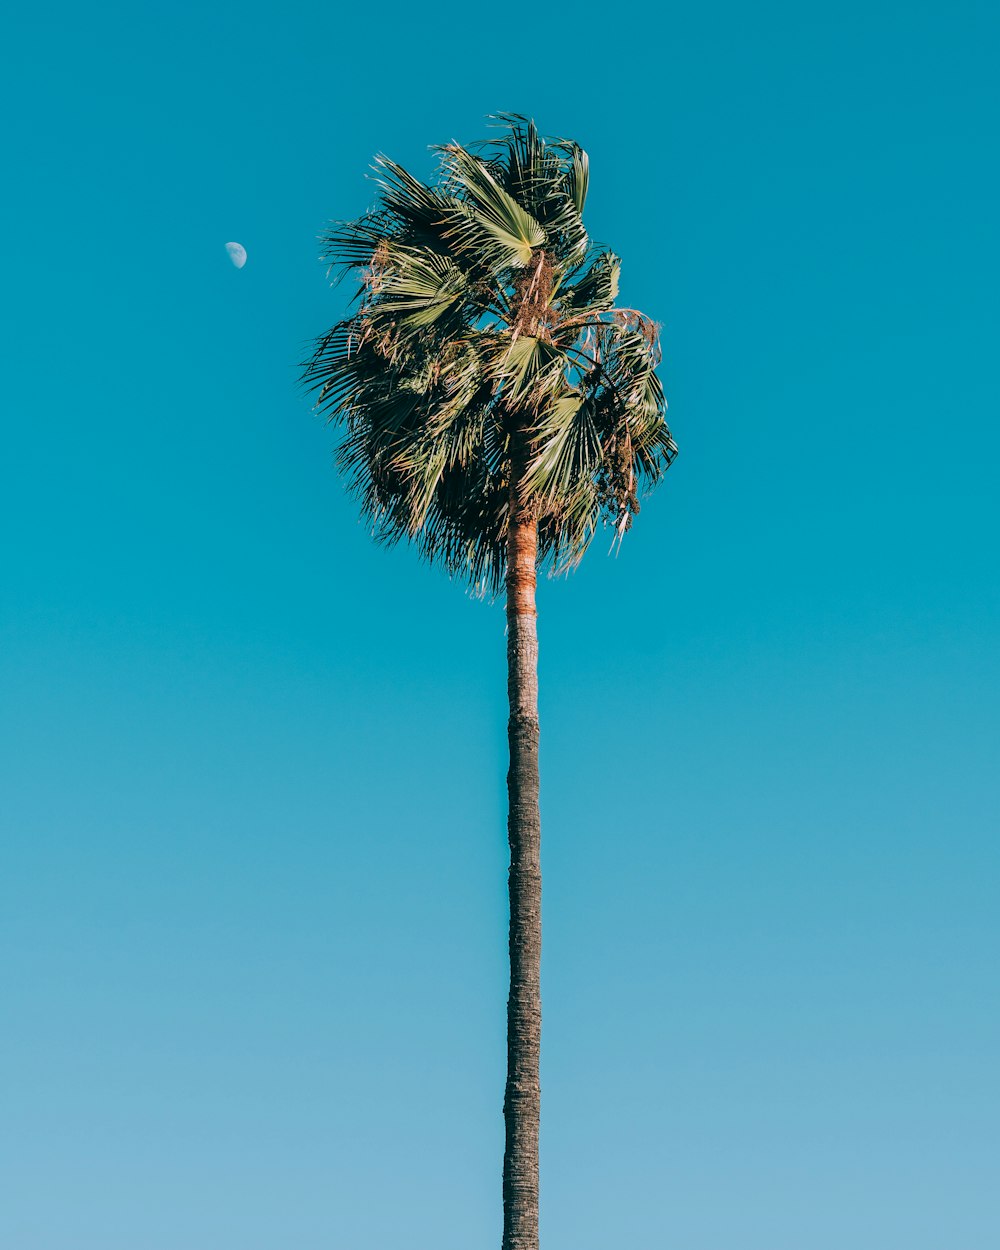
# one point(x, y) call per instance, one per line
point(524, 1015)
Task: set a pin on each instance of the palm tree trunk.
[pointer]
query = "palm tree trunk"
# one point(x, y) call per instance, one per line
point(524, 1007)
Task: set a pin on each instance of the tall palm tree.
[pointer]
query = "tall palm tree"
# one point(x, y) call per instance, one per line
point(495, 409)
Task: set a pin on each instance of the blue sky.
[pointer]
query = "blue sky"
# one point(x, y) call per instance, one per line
point(252, 903)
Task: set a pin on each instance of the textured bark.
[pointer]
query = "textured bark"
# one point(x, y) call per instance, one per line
point(524, 1010)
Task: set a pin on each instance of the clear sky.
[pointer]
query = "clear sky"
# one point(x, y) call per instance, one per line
point(252, 890)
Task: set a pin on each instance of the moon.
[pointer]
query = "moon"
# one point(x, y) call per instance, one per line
point(237, 254)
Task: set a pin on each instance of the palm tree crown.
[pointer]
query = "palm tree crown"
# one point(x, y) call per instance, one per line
point(485, 348)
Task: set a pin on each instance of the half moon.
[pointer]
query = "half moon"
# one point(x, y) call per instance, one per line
point(237, 254)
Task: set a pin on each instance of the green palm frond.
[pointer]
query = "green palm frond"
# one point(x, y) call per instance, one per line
point(594, 289)
point(485, 208)
point(485, 334)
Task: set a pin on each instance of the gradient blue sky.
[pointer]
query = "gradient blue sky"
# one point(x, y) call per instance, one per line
point(252, 902)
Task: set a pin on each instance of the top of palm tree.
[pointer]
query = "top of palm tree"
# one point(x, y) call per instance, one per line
point(485, 354)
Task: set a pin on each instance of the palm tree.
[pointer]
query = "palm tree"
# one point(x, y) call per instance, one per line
point(495, 409)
